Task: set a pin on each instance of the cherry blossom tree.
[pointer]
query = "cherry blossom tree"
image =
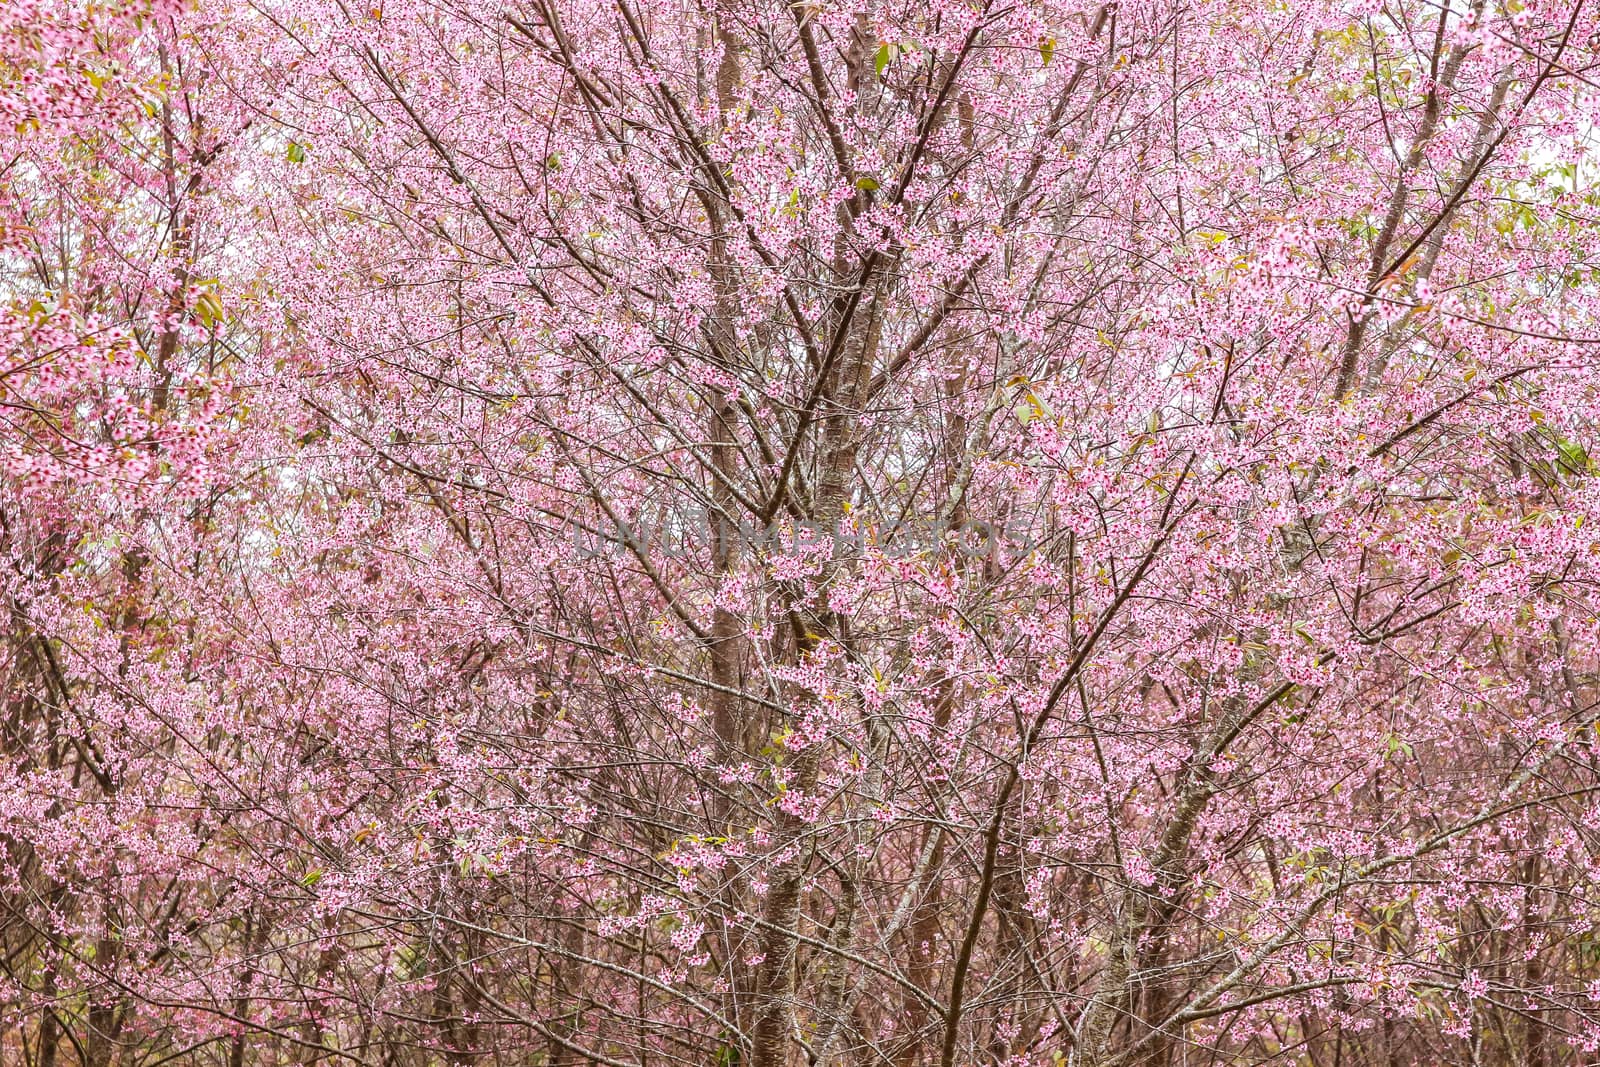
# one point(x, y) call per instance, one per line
point(566, 532)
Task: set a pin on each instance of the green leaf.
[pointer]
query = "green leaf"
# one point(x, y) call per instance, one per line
point(297, 152)
point(1047, 49)
point(885, 56)
point(1398, 746)
point(209, 309)
point(1574, 457)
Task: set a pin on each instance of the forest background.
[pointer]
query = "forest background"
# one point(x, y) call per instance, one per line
point(846, 532)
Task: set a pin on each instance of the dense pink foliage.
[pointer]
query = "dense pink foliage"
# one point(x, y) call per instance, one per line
point(626, 532)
